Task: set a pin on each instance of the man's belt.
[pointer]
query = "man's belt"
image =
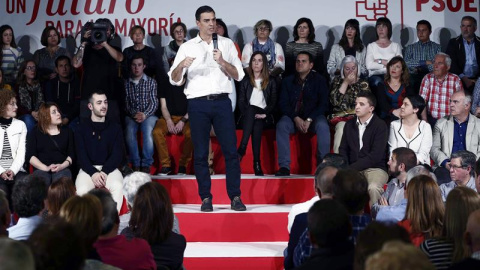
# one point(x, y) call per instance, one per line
point(213, 97)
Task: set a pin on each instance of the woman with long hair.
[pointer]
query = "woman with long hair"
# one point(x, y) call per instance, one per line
point(13, 134)
point(58, 193)
point(30, 94)
point(45, 57)
point(257, 97)
point(394, 89)
point(303, 41)
point(349, 44)
point(425, 210)
point(411, 131)
point(450, 246)
point(343, 93)
point(152, 220)
point(12, 56)
point(50, 147)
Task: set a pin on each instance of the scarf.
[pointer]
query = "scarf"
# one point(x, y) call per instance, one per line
point(268, 48)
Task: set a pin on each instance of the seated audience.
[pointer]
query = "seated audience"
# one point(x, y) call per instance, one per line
point(419, 55)
point(57, 245)
point(99, 145)
point(115, 249)
point(372, 239)
point(410, 131)
point(85, 214)
point(15, 255)
point(349, 44)
point(28, 198)
point(12, 55)
point(58, 193)
point(12, 146)
point(329, 231)
point(401, 161)
point(379, 53)
point(141, 103)
point(64, 90)
point(257, 97)
point(5, 215)
point(398, 255)
point(393, 90)
point(3, 85)
point(303, 41)
point(152, 220)
point(425, 210)
point(50, 147)
point(455, 132)
point(137, 35)
point(262, 42)
point(437, 89)
point(451, 246)
point(472, 240)
point(303, 102)
point(462, 172)
point(364, 144)
point(30, 94)
point(343, 93)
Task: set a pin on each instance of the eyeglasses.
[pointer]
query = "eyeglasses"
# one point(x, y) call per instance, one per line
point(263, 29)
point(178, 31)
point(456, 167)
point(31, 68)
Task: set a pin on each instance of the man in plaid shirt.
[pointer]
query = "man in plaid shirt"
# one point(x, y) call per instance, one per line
point(141, 104)
point(437, 88)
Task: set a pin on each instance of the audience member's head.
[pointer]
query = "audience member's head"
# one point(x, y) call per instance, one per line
point(424, 29)
point(350, 188)
point(110, 218)
point(477, 172)
point(396, 255)
point(349, 64)
point(323, 182)
point(152, 213)
point(328, 224)
point(15, 255)
point(417, 102)
point(222, 29)
point(386, 24)
point(6, 98)
point(58, 193)
point(419, 170)
point(462, 164)
point(365, 104)
point(304, 22)
point(351, 30)
point(405, 75)
point(5, 215)
point(27, 74)
point(131, 184)
point(402, 160)
point(28, 196)
point(441, 65)
point(461, 202)
point(472, 233)
point(372, 238)
point(425, 209)
point(57, 245)
point(85, 214)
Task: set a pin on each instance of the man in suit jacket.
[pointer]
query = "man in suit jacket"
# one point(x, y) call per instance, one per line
point(458, 131)
point(465, 53)
point(364, 144)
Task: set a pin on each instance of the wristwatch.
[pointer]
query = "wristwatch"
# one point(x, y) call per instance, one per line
point(379, 61)
point(309, 119)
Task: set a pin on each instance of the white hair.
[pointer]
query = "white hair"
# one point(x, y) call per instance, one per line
point(131, 184)
point(419, 170)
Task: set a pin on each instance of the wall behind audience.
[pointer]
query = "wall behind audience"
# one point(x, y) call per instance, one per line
point(29, 17)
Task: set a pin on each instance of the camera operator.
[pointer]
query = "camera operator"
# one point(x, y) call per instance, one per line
point(100, 66)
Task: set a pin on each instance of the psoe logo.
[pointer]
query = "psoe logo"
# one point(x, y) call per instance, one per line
point(371, 10)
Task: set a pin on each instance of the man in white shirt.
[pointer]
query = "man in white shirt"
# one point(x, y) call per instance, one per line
point(208, 66)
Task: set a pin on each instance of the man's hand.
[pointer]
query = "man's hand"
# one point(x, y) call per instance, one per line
point(187, 62)
point(306, 125)
point(171, 126)
point(98, 180)
point(52, 75)
point(383, 201)
point(140, 117)
point(217, 56)
point(299, 123)
point(260, 116)
point(179, 127)
point(447, 165)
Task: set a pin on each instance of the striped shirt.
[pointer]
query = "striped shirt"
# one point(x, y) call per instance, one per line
point(6, 158)
point(141, 96)
point(12, 58)
point(437, 94)
point(418, 53)
point(439, 252)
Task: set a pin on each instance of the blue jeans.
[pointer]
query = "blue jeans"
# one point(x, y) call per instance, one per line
point(131, 128)
point(286, 126)
point(29, 121)
point(203, 114)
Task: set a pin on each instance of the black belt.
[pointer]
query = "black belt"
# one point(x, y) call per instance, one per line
point(213, 97)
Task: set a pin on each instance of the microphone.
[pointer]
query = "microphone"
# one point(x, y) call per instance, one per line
point(215, 41)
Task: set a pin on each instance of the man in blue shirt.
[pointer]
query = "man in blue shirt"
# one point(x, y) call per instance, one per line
point(462, 164)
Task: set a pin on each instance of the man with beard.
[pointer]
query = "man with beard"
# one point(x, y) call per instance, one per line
point(100, 151)
point(403, 159)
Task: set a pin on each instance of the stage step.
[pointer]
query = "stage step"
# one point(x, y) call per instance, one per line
point(234, 255)
point(255, 189)
point(259, 223)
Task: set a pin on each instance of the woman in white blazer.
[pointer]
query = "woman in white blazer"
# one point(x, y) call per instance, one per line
point(410, 131)
point(13, 135)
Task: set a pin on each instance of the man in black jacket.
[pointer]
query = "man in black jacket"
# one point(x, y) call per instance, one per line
point(99, 151)
point(364, 144)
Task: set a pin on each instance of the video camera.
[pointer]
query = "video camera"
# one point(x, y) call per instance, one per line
point(99, 32)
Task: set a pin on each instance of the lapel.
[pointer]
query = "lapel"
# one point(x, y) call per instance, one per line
point(470, 128)
point(461, 48)
point(449, 134)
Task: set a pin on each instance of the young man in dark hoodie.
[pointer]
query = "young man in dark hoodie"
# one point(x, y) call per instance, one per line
point(100, 151)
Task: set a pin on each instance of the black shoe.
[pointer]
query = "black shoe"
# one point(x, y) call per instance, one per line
point(145, 169)
point(257, 168)
point(182, 170)
point(165, 171)
point(206, 205)
point(283, 172)
point(237, 204)
point(136, 168)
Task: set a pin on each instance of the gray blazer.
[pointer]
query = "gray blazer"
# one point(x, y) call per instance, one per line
point(443, 138)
